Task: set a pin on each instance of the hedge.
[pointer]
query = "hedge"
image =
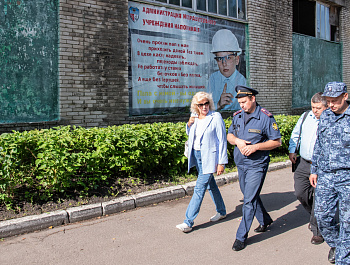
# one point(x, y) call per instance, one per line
point(40, 164)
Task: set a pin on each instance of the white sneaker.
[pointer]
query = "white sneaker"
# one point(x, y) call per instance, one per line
point(184, 227)
point(217, 217)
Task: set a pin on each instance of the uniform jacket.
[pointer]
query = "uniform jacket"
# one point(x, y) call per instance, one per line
point(332, 148)
point(213, 143)
point(260, 128)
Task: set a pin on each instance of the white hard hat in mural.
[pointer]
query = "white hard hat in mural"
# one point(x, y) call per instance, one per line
point(225, 41)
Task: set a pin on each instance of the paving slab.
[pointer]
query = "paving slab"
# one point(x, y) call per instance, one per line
point(32, 223)
point(84, 212)
point(159, 195)
point(118, 205)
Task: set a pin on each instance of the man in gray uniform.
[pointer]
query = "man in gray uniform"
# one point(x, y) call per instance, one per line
point(330, 173)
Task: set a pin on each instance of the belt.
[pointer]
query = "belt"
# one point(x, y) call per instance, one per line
point(308, 161)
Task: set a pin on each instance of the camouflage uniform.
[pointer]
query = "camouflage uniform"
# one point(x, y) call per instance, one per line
point(331, 162)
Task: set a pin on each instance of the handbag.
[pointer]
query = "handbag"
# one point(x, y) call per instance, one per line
point(294, 166)
point(297, 161)
point(186, 149)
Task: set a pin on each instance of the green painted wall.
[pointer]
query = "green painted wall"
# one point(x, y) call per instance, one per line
point(315, 63)
point(29, 61)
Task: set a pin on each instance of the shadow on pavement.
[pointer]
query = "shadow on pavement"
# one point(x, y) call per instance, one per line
point(272, 202)
point(282, 224)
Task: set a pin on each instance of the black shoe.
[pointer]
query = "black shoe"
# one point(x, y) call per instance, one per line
point(331, 255)
point(238, 245)
point(262, 228)
point(316, 240)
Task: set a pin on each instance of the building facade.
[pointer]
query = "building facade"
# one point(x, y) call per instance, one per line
point(91, 84)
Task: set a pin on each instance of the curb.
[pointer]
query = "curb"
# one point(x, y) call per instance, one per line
point(76, 214)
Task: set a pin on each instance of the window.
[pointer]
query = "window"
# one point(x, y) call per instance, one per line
point(228, 8)
point(304, 17)
point(322, 22)
point(316, 19)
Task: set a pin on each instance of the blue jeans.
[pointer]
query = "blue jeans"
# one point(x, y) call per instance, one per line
point(204, 182)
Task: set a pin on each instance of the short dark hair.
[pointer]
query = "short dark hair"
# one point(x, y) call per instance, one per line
point(318, 98)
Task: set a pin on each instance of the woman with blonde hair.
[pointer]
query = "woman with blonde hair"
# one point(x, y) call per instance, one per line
point(207, 151)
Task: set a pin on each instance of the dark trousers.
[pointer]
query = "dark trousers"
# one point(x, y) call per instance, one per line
point(305, 192)
point(251, 181)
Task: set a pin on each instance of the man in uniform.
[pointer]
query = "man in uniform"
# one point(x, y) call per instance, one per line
point(330, 173)
point(304, 135)
point(254, 132)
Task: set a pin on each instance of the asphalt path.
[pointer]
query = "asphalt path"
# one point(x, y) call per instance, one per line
point(148, 235)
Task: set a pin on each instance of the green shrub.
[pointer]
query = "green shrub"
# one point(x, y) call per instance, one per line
point(286, 125)
point(40, 165)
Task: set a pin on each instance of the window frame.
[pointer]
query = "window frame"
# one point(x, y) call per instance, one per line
point(322, 24)
point(205, 12)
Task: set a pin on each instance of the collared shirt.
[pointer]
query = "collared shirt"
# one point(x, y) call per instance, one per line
point(332, 147)
point(307, 137)
point(216, 85)
point(259, 128)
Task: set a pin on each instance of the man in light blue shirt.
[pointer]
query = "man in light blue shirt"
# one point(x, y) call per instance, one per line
point(222, 83)
point(303, 189)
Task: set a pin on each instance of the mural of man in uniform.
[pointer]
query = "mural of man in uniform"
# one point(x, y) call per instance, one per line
point(223, 82)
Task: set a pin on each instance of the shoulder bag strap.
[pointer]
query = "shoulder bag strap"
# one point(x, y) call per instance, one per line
point(301, 125)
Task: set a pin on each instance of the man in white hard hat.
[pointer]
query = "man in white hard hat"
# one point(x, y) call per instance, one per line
point(223, 82)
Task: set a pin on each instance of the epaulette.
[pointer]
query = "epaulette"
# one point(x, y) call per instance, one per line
point(234, 114)
point(265, 111)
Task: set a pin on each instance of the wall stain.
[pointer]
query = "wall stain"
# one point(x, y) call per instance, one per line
point(105, 56)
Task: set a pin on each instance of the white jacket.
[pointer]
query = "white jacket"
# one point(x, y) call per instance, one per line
point(213, 143)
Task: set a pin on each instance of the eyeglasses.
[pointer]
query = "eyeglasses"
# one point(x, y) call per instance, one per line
point(226, 59)
point(202, 105)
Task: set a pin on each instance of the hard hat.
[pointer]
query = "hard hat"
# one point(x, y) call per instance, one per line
point(225, 41)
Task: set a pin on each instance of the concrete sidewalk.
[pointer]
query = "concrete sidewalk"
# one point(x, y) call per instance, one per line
point(76, 214)
point(148, 235)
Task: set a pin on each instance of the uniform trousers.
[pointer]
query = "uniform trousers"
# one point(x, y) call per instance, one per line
point(305, 192)
point(251, 180)
point(333, 191)
point(204, 182)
